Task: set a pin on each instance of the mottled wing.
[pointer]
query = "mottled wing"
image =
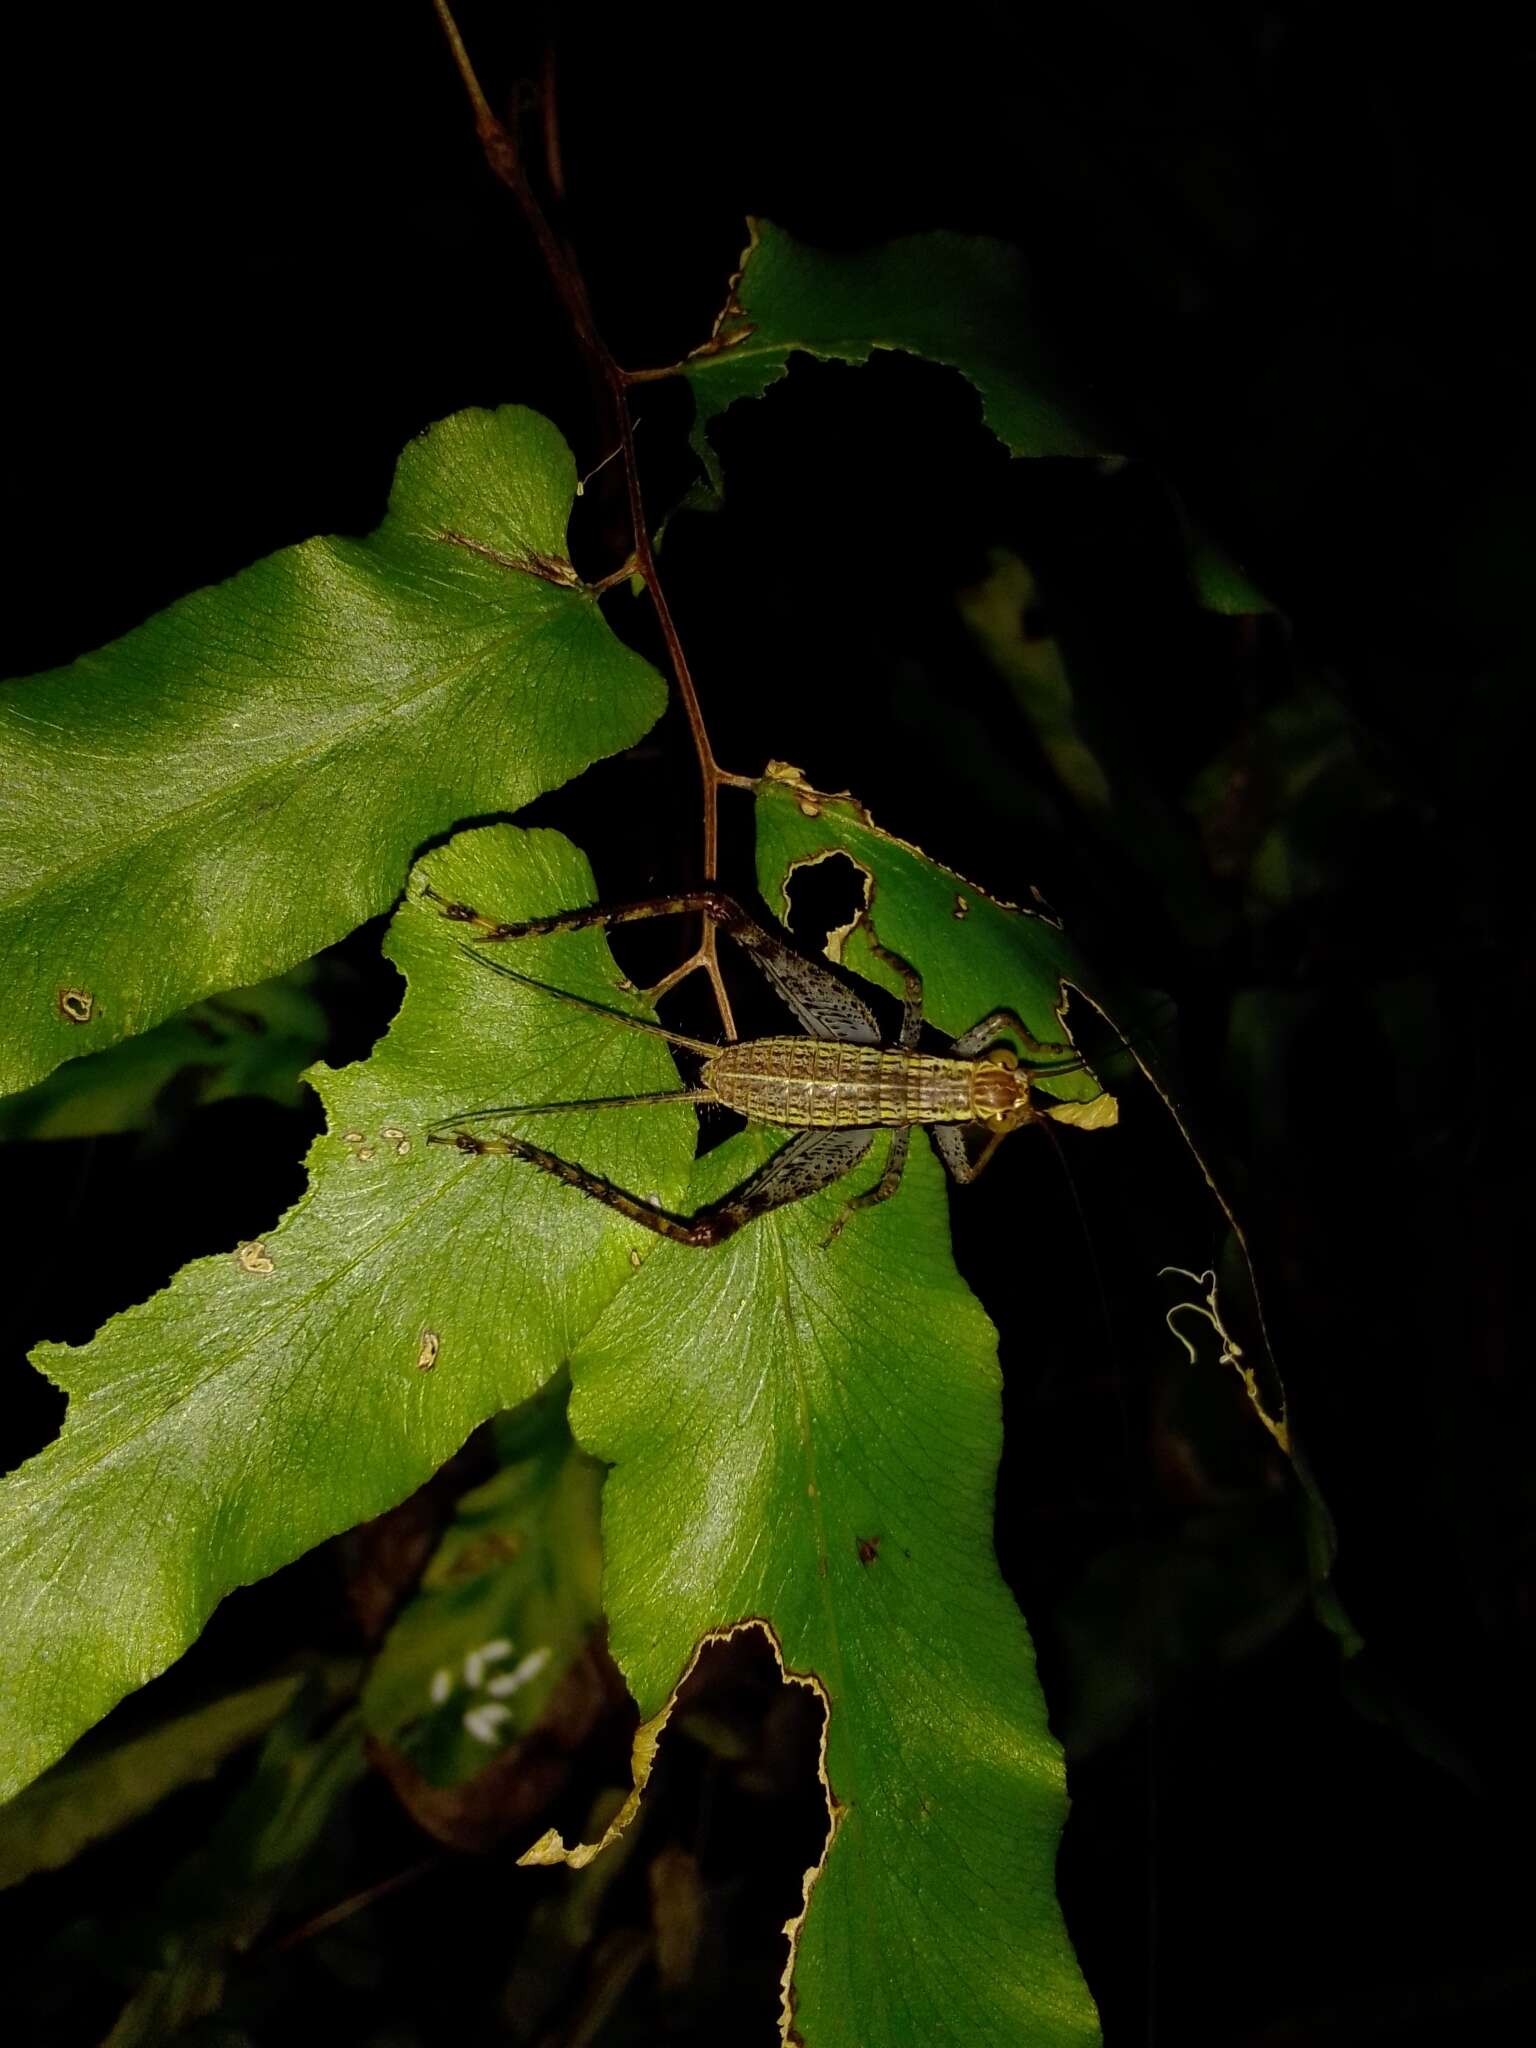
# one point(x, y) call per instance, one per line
point(819, 1000)
point(811, 1161)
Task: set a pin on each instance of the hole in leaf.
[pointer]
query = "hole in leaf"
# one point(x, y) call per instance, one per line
point(734, 1815)
point(825, 896)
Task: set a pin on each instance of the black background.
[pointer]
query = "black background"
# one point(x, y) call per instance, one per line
point(1282, 251)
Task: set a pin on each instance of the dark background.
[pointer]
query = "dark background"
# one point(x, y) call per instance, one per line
point(1281, 253)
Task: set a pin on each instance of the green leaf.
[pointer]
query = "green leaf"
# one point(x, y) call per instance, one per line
point(83, 1800)
point(270, 1398)
point(808, 1435)
point(250, 1041)
point(1223, 585)
point(244, 779)
point(507, 1606)
point(961, 300)
point(804, 1435)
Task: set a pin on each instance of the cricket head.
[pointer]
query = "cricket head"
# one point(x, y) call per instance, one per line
point(1002, 1098)
point(1000, 1092)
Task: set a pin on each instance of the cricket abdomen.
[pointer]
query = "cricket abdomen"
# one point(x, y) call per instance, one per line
point(815, 1083)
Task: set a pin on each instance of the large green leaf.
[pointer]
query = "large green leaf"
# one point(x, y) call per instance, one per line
point(807, 1435)
point(272, 1397)
point(244, 779)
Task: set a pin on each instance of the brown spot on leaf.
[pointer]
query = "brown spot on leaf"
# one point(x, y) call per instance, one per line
point(251, 1257)
point(76, 1005)
point(869, 1549)
point(426, 1357)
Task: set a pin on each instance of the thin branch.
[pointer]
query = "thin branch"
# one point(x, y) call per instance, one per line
point(554, 167)
point(322, 1923)
point(504, 158)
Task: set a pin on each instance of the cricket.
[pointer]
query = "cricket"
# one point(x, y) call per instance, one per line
point(836, 1088)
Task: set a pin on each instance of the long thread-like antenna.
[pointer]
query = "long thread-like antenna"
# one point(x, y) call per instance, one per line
point(474, 1116)
point(564, 995)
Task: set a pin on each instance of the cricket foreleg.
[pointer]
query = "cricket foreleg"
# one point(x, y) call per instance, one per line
point(811, 1161)
point(992, 1027)
point(819, 1000)
point(712, 903)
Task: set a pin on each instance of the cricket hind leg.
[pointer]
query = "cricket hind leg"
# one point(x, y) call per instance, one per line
point(818, 999)
point(811, 1161)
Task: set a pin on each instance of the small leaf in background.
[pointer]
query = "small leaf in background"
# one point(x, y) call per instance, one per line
point(93, 1795)
point(243, 780)
point(249, 1041)
point(1151, 1616)
point(1089, 756)
point(311, 1378)
point(960, 300)
point(509, 1604)
point(211, 1910)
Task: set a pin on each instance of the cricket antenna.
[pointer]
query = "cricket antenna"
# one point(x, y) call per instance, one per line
point(699, 1045)
point(476, 1116)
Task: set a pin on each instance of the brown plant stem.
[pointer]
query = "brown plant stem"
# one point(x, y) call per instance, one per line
point(504, 158)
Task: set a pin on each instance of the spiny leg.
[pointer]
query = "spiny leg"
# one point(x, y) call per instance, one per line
point(811, 1161)
point(884, 1188)
point(912, 981)
point(711, 902)
point(818, 999)
point(991, 1027)
point(949, 1143)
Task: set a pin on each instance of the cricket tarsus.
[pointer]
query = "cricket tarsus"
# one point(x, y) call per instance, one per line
point(835, 1088)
